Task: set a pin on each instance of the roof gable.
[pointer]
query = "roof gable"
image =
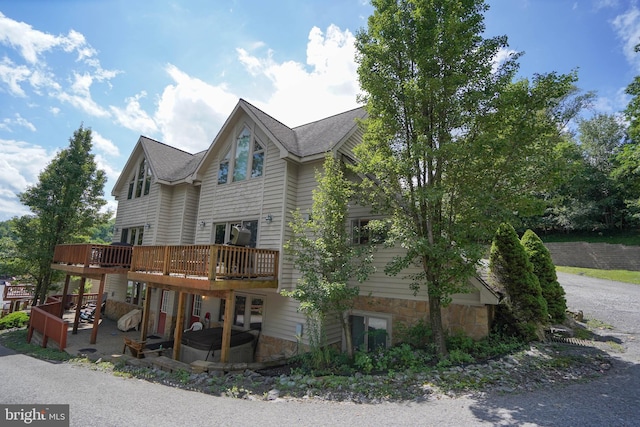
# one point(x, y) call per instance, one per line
point(168, 164)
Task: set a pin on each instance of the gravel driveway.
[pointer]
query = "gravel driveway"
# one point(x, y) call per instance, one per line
point(101, 399)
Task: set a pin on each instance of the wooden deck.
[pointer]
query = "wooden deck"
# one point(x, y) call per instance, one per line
point(92, 261)
point(205, 269)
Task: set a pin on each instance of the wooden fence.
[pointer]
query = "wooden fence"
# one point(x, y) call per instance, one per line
point(45, 320)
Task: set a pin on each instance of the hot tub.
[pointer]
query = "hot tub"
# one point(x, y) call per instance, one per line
point(207, 343)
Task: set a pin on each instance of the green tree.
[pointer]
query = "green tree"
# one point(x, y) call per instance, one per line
point(545, 271)
point(510, 266)
point(327, 260)
point(452, 145)
point(65, 204)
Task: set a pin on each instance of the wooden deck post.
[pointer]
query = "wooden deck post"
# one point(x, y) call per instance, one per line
point(177, 340)
point(76, 320)
point(145, 313)
point(213, 262)
point(67, 279)
point(96, 316)
point(229, 309)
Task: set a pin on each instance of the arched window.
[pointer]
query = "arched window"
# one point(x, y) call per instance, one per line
point(248, 159)
point(140, 183)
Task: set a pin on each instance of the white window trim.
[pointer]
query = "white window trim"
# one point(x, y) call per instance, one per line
point(387, 316)
point(229, 156)
point(247, 310)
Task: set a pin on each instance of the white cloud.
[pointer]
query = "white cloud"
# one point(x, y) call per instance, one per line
point(627, 27)
point(20, 166)
point(603, 4)
point(191, 111)
point(9, 124)
point(103, 145)
point(134, 117)
point(503, 55)
point(612, 104)
point(31, 43)
point(35, 73)
point(329, 78)
point(13, 76)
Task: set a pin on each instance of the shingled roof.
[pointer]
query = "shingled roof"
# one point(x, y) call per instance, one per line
point(168, 163)
point(312, 138)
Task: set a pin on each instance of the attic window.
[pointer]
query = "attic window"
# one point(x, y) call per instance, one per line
point(223, 171)
point(140, 184)
point(248, 159)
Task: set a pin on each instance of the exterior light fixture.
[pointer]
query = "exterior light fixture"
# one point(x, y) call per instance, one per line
point(202, 224)
point(147, 226)
point(268, 218)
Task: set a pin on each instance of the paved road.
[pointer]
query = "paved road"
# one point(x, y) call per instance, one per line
point(99, 399)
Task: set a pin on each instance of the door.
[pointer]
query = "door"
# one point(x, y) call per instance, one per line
point(196, 308)
point(164, 306)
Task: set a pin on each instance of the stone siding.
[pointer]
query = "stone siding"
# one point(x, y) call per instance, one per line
point(474, 321)
point(271, 348)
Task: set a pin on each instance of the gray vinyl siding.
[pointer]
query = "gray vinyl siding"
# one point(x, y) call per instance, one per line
point(281, 318)
point(137, 212)
point(381, 285)
point(287, 280)
point(348, 146)
point(177, 215)
point(251, 199)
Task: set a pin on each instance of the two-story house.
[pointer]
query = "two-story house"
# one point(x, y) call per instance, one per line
point(181, 211)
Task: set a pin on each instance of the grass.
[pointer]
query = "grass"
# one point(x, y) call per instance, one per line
point(616, 275)
point(17, 341)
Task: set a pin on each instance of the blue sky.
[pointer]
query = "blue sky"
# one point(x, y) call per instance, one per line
point(173, 70)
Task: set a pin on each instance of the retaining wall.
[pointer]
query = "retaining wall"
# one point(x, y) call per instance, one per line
point(601, 256)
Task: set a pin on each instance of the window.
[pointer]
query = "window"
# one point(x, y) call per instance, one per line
point(247, 311)
point(258, 159)
point(369, 332)
point(248, 159)
point(136, 292)
point(140, 184)
point(222, 231)
point(223, 172)
point(365, 231)
point(197, 306)
point(133, 235)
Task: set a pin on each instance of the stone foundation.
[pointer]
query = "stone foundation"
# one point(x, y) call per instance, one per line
point(474, 321)
point(270, 348)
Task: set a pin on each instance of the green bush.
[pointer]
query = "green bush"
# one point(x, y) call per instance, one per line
point(544, 269)
point(418, 335)
point(17, 319)
point(510, 266)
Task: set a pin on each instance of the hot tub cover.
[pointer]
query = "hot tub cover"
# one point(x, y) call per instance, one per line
point(203, 339)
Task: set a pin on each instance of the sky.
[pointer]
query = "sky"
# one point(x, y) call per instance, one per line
point(174, 70)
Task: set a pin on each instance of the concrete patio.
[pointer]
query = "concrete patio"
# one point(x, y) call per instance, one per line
point(109, 341)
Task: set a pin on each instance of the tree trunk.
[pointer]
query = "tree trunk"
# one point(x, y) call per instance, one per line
point(435, 317)
point(347, 335)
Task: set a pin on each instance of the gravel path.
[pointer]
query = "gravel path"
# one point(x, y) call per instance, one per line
point(99, 399)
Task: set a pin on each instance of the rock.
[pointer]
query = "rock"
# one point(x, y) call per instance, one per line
point(273, 394)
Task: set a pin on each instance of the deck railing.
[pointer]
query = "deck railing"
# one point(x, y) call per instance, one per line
point(89, 255)
point(71, 300)
point(18, 291)
point(206, 261)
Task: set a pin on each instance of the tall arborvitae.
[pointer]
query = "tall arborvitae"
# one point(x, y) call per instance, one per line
point(544, 268)
point(510, 266)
